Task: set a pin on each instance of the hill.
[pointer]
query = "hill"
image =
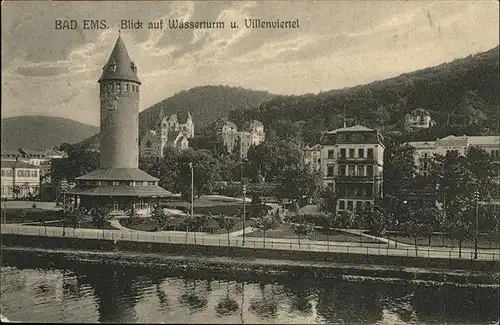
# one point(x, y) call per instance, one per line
point(461, 96)
point(38, 132)
point(206, 104)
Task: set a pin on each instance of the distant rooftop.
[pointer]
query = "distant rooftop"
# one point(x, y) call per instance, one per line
point(17, 164)
point(350, 129)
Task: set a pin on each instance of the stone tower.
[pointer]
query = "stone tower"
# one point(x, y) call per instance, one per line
point(118, 184)
point(119, 95)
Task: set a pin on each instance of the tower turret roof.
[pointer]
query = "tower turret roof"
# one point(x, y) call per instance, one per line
point(119, 66)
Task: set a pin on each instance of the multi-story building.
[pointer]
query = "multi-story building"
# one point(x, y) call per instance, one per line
point(19, 179)
point(419, 119)
point(168, 132)
point(425, 150)
point(352, 160)
point(42, 158)
point(252, 135)
point(312, 157)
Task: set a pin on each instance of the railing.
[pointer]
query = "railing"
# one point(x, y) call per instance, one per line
point(280, 244)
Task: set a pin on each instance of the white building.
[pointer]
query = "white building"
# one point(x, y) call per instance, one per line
point(168, 132)
point(252, 135)
point(419, 119)
point(352, 160)
point(425, 150)
point(19, 179)
point(312, 157)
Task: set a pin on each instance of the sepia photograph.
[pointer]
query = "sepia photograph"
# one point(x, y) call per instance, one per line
point(258, 162)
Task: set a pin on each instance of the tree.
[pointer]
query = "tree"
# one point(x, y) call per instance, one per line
point(419, 224)
point(99, 216)
point(265, 223)
point(340, 219)
point(460, 229)
point(270, 157)
point(79, 162)
point(75, 217)
point(195, 223)
point(301, 229)
point(399, 174)
point(329, 200)
point(297, 182)
point(161, 219)
point(375, 219)
point(227, 223)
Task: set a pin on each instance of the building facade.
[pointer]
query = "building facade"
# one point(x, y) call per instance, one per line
point(425, 150)
point(312, 157)
point(239, 140)
point(19, 179)
point(168, 132)
point(419, 119)
point(119, 185)
point(352, 161)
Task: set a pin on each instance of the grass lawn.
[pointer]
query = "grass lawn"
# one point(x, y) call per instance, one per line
point(147, 224)
point(437, 240)
point(86, 225)
point(285, 231)
point(23, 215)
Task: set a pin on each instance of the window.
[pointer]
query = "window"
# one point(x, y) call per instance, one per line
point(330, 171)
point(349, 205)
point(369, 170)
point(341, 205)
point(369, 190)
point(361, 170)
point(117, 87)
point(4, 173)
point(34, 173)
point(361, 153)
point(342, 170)
point(342, 153)
point(330, 154)
point(351, 170)
point(370, 153)
point(351, 153)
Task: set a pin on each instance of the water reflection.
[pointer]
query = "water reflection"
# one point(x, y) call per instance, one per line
point(90, 293)
point(194, 297)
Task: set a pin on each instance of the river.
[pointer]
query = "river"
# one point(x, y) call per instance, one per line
point(105, 293)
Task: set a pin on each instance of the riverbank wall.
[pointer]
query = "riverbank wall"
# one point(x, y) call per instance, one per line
point(197, 250)
point(241, 268)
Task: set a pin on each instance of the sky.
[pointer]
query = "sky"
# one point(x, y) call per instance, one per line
point(46, 71)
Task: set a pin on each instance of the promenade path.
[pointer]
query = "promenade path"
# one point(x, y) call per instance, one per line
point(177, 237)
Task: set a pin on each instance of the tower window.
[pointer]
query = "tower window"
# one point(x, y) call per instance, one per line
point(125, 88)
point(118, 87)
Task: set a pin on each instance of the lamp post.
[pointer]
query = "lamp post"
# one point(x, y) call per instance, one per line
point(244, 188)
point(476, 198)
point(192, 187)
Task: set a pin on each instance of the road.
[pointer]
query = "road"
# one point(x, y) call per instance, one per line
point(176, 237)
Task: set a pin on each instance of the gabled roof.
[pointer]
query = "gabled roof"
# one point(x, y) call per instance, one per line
point(118, 174)
point(119, 66)
point(133, 191)
point(17, 164)
point(11, 153)
point(481, 140)
point(351, 129)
